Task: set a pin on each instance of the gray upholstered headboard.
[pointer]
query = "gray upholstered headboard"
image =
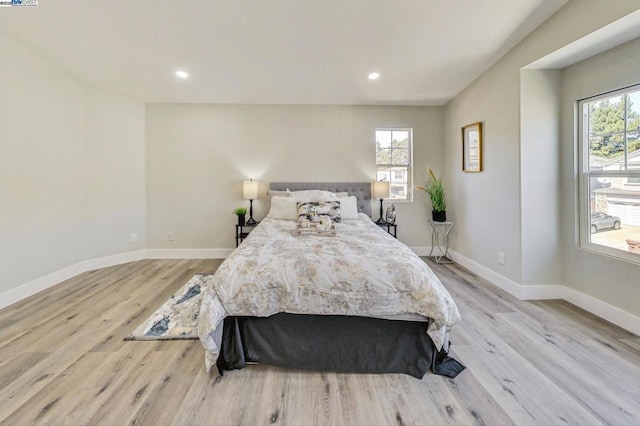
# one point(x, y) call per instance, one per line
point(361, 190)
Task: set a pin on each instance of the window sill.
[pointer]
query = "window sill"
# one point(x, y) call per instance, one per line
point(610, 252)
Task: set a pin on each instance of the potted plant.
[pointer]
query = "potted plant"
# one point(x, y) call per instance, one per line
point(240, 212)
point(435, 189)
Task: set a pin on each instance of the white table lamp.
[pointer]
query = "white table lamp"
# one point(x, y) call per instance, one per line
point(250, 192)
point(381, 191)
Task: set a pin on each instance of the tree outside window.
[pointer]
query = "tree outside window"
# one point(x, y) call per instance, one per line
point(610, 166)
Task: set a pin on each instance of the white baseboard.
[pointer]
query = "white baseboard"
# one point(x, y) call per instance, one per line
point(188, 253)
point(523, 292)
point(30, 288)
point(116, 259)
point(602, 309)
point(590, 304)
point(508, 285)
point(23, 291)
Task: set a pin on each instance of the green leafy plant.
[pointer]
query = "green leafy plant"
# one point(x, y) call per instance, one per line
point(435, 189)
point(240, 211)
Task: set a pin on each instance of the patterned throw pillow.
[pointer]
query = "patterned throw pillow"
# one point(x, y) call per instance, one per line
point(312, 211)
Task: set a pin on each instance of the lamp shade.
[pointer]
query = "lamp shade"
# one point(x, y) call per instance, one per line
point(249, 189)
point(380, 190)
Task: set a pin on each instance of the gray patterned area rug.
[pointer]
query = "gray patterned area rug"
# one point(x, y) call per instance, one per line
point(177, 318)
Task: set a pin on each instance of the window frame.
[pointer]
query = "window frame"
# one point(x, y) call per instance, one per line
point(409, 166)
point(584, 174)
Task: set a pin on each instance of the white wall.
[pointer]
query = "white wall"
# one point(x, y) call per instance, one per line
point(115, 188)
point(71, 169)
point(198, 156)
point(41, 167)
point(614, 281)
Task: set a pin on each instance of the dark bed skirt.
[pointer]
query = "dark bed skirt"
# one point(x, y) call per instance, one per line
point(333, 343)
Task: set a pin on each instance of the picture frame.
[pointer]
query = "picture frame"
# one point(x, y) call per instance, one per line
point(390, 216)
point(472, 148)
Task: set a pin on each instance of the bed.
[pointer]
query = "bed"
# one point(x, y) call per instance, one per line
point(352, 300)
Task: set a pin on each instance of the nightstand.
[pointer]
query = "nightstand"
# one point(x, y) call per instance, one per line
point(392, 228)
point(440, 241)
point(242, 231)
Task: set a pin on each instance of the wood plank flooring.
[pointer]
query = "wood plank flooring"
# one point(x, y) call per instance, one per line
point(63, 361)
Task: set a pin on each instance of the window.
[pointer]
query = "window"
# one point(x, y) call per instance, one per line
point(393, 161)
point(610, 173)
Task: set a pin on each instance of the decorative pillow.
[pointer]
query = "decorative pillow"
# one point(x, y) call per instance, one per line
point(322, 228)
point(312, 211)
point(313, 195)
point(349, 208)
point(323, 223)
point(283, 208)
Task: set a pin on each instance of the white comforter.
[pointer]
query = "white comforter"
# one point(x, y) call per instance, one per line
point(361, 271)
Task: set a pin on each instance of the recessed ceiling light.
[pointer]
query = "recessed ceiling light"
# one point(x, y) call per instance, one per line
point(182, 74)
point(374, 76)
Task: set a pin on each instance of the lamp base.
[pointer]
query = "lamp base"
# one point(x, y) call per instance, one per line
point(251, 221)
point(381, 220)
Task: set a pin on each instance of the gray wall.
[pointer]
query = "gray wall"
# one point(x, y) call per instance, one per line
point(540, 193)
point(198, 155)
point(614, 281)
point(71, 169)
point(521, 110)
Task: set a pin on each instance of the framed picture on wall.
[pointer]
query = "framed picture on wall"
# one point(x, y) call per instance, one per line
point(472, 148)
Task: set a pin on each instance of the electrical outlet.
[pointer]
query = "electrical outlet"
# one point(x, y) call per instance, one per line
point(134, 237)
point(170, 236)
point(501, 258)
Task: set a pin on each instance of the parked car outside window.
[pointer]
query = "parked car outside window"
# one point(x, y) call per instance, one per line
point(601, 220)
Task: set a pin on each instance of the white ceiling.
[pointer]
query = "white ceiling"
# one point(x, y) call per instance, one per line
point(277, 51)
point(616, 33)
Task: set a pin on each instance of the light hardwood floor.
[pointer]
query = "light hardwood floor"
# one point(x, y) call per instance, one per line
point(63, 361)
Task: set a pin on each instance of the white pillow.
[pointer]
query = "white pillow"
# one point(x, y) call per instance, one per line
point(342, 194)
point(272, 194)
point(312, 195)
point(285, 208)
point(349, 208)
